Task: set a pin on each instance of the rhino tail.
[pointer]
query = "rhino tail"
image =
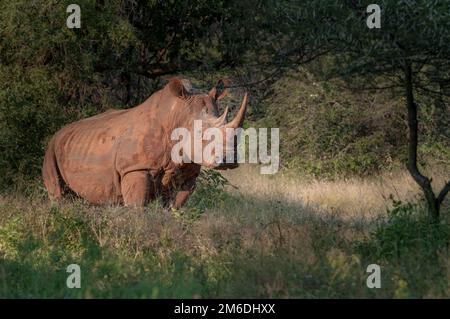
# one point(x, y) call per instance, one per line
point(50, 173)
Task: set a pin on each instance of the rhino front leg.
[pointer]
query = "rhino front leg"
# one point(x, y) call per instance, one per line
point(181, 198)
point(135, 188)
point(183, 194)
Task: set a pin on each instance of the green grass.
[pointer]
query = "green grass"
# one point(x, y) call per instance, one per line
point(231, 245)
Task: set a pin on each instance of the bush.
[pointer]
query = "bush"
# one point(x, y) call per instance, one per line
point(209, 193)
point(411, 250)
point(406, 230)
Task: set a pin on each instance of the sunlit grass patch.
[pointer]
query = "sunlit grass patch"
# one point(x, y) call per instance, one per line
point(243, 236)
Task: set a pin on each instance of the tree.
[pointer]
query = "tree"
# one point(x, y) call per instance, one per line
point(409, 54)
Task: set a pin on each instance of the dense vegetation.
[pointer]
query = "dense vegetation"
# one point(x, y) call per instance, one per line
point(253, 242)
point(51, 75)
point(329, 130)
point(336, 89)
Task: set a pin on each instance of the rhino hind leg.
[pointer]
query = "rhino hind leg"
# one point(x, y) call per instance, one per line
point(50, 174)
point(135, 187)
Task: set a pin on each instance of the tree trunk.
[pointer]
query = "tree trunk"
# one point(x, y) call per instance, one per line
point(424, 182)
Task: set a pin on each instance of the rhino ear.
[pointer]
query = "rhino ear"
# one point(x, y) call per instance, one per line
point(220, 90)
point(179, 87)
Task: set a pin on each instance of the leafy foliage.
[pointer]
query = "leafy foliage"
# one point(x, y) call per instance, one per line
point(407, 230)
point(404, 243)
point(51, 75)
point(210, 191)
point(328, 130)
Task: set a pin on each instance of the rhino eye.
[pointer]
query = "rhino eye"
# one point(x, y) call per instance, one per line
point(210, 109)
point(205, 108)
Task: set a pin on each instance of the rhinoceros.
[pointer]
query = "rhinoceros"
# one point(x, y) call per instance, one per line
point(124, 156)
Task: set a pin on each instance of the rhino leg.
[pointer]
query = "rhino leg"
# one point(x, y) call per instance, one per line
point(50, 173)
point(181, 198)
point(183, 195)
point(135, 188)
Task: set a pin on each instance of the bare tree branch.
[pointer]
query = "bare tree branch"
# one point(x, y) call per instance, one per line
point(443, 192)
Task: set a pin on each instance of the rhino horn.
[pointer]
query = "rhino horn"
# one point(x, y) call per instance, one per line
point(239, 118)
point(222, 119)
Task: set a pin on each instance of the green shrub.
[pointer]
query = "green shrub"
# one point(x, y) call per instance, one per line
point(411, 250)
point(209, 192)
point(406, 230)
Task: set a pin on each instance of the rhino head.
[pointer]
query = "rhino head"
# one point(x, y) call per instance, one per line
point(190, 109)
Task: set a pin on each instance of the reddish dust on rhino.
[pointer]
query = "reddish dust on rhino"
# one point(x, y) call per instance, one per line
point(124, 156)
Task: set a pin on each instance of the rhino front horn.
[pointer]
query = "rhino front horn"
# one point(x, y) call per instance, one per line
point(239, 118)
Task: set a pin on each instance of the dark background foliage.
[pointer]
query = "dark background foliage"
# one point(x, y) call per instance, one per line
point(51, 75)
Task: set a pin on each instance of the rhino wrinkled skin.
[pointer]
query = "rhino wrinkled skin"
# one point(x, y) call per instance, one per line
point(124, 156)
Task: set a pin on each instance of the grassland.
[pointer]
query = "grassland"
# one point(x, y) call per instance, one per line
point(281, 236)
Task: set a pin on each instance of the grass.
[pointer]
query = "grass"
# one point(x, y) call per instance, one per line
point(258, 236)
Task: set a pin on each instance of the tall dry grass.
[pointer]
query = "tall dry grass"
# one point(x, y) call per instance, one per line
point(355, 197)
point(264, 236)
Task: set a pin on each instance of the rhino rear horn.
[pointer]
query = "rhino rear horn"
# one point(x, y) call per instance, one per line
point(222, 119)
